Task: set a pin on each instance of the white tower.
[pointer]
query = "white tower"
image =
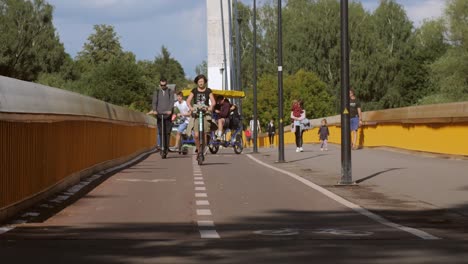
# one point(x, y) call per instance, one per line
point(216, 67)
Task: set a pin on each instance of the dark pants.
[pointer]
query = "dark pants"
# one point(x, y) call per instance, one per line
point(298, 134)
point(167, 127)
point(271, 137)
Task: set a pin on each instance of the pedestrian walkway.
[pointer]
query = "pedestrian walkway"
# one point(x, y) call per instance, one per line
point(428, 187)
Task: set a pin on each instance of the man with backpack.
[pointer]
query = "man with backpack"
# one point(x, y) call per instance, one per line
point(162, 107)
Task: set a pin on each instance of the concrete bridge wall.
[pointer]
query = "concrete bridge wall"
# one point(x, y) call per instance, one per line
point(51, 138)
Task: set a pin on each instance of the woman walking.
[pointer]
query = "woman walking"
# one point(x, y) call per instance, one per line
point(297, 115)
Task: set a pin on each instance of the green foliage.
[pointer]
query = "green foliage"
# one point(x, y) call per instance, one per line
point(392, 64)
point(119, 82)
point(28, 42)
point(102, 46)
point(301, 85)
point(169, 68)
point(448, 74)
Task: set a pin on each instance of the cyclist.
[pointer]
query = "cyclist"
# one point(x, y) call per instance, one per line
point(183, 115)
point(203, 97)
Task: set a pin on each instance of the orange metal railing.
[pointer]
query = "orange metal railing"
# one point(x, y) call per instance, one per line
point(37, 155)
point(50, 138)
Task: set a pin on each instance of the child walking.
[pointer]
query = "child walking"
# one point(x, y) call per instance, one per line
point(248, 136)
point(323, 134)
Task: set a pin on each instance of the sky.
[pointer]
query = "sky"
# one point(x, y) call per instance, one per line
point(144, 26)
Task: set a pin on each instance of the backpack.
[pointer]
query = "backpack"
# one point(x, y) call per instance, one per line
point(234, 119)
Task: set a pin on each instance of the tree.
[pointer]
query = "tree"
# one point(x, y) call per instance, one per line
point(391, 32)
point(28, 42)
point(427, 45)
point(301, 85)
point(202, 68)
point(169, 68)
point(119, 82)
point(102, 46)
point(449, 73)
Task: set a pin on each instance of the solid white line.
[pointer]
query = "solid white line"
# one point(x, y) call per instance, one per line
point(33, 214)
point(203, 212)
point(200, 188)
point(355, 207)
point(209, 234)
point(201, 195)
point(199, 183)
point(205, 223)
point(203, 202)
point(198, 178)
point(4, 229)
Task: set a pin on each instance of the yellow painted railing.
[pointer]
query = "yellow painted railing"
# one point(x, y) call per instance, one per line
point(439, 129)
point(51, 138)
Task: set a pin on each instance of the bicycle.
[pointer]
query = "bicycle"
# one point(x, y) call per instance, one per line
point(236, 141)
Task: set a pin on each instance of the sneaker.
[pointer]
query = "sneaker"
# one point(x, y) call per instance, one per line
point(326, 149)
point(301, 149)
point(298, 149)
point(321, 149)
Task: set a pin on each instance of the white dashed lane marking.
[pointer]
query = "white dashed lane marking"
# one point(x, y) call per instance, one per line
point(209, 234)
point(205, 223)
point(203, 212)
point(206, 226)
point(202, 202)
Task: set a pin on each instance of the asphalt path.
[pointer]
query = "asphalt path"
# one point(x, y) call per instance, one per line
point(232, 209)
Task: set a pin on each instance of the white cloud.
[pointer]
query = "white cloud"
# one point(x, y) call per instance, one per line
point(428, 9)
point(145, 25)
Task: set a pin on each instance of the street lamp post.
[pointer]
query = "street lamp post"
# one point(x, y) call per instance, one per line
point(224, 45)
point(232, 71)
point(280, 89)
point(346, 172)
point(221, 71)
point(238, 58)
point(255, 147)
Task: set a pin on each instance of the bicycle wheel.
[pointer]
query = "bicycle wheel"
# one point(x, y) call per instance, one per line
point(238, 144)
point(214, 149)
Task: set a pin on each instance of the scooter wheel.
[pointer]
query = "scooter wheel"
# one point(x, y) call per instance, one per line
point(163, 154)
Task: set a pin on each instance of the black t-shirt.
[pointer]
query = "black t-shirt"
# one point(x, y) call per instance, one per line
point(201, 97)
point(353, 106)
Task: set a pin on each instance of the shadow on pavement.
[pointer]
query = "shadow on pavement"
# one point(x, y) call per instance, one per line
point(377, 174)
point(180, 242)
point(307, 158)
